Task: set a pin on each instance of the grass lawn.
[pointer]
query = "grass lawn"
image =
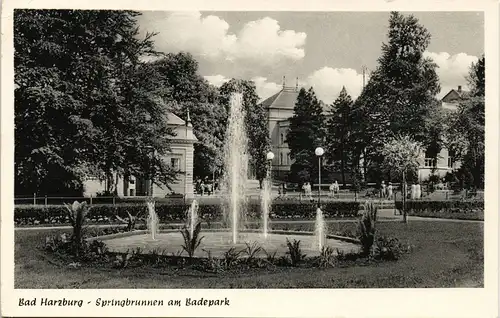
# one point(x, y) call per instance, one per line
point(445, 254)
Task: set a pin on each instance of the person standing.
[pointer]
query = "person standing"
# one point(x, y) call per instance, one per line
point(382, 190)
point(418, 191)
point(389, 191)
point(309, 191)
point(332, 190)
point(413, 191)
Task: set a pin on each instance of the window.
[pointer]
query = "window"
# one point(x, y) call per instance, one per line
point(281, 158)
point(430, 163)
point(175, 163)
point(451, 159)
point(282, 140)
point(288, 161)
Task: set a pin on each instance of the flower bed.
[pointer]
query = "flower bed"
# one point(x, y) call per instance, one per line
point(106, 214)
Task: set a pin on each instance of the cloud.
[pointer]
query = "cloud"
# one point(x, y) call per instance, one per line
point(208, 37)
point(216, 80)
point(264, 88)
point(452, 69)
point(327, 82)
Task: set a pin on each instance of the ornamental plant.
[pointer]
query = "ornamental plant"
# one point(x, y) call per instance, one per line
point(367, 228)
point(191, 242)
point(402, 155)
point(76, 214)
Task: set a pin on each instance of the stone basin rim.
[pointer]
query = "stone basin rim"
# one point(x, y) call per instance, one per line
point(279, 232)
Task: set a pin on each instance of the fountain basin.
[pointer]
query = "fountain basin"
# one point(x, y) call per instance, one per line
point(220, 241)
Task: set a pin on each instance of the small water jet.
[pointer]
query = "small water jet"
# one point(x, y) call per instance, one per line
point(192, 217)
point(152, 220)
point(265, 206)
point(319, 229)
point(236, 164)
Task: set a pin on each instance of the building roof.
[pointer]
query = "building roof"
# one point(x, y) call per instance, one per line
point(173, 119)
point(286, 98)
point(455, 94)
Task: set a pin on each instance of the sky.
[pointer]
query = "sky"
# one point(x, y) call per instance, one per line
point(325, 50)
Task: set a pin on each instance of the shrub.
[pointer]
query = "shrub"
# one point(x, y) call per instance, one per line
point(191, 243)
point(212, 264)
point(326, 257)
point(168, 213)
point(231, 257)
point(389, 249)
point(58, 243)
point(349, 256)
point(252, 250)
point(295, 252)
point(122, 260)
point(461, 209)
point(366, 227)
point(270, 257)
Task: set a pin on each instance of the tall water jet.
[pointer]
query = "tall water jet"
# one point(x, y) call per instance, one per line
point(236, 163)
point(319, 229)
point(152, 220)
point(192, 216)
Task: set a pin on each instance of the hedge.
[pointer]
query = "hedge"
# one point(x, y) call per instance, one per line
point(105, 214)
point(445, 209)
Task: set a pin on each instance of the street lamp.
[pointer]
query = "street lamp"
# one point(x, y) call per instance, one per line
point(319, 152)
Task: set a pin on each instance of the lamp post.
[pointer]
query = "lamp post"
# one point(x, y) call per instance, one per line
point(319, 153)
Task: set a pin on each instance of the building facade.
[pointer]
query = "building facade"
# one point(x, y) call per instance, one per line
point(280, 107)
point(180, 158)
point(445, 161)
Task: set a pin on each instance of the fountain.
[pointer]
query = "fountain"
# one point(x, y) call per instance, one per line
point(236, 164)
point(152, 220)
point(192, 217)
point(234, 236)
point(320, 229)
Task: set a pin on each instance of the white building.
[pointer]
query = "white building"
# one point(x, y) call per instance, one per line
point(181, 158)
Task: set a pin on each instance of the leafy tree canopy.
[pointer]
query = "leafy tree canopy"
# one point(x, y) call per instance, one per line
point(82, 92)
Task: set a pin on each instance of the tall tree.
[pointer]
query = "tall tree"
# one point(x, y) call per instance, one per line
point(189, 91)
point(255, 122)
point(466, 129)
point(338, 130)
point(401, 92)
point(306, 133)
point(476, 78)
point(78, 89)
